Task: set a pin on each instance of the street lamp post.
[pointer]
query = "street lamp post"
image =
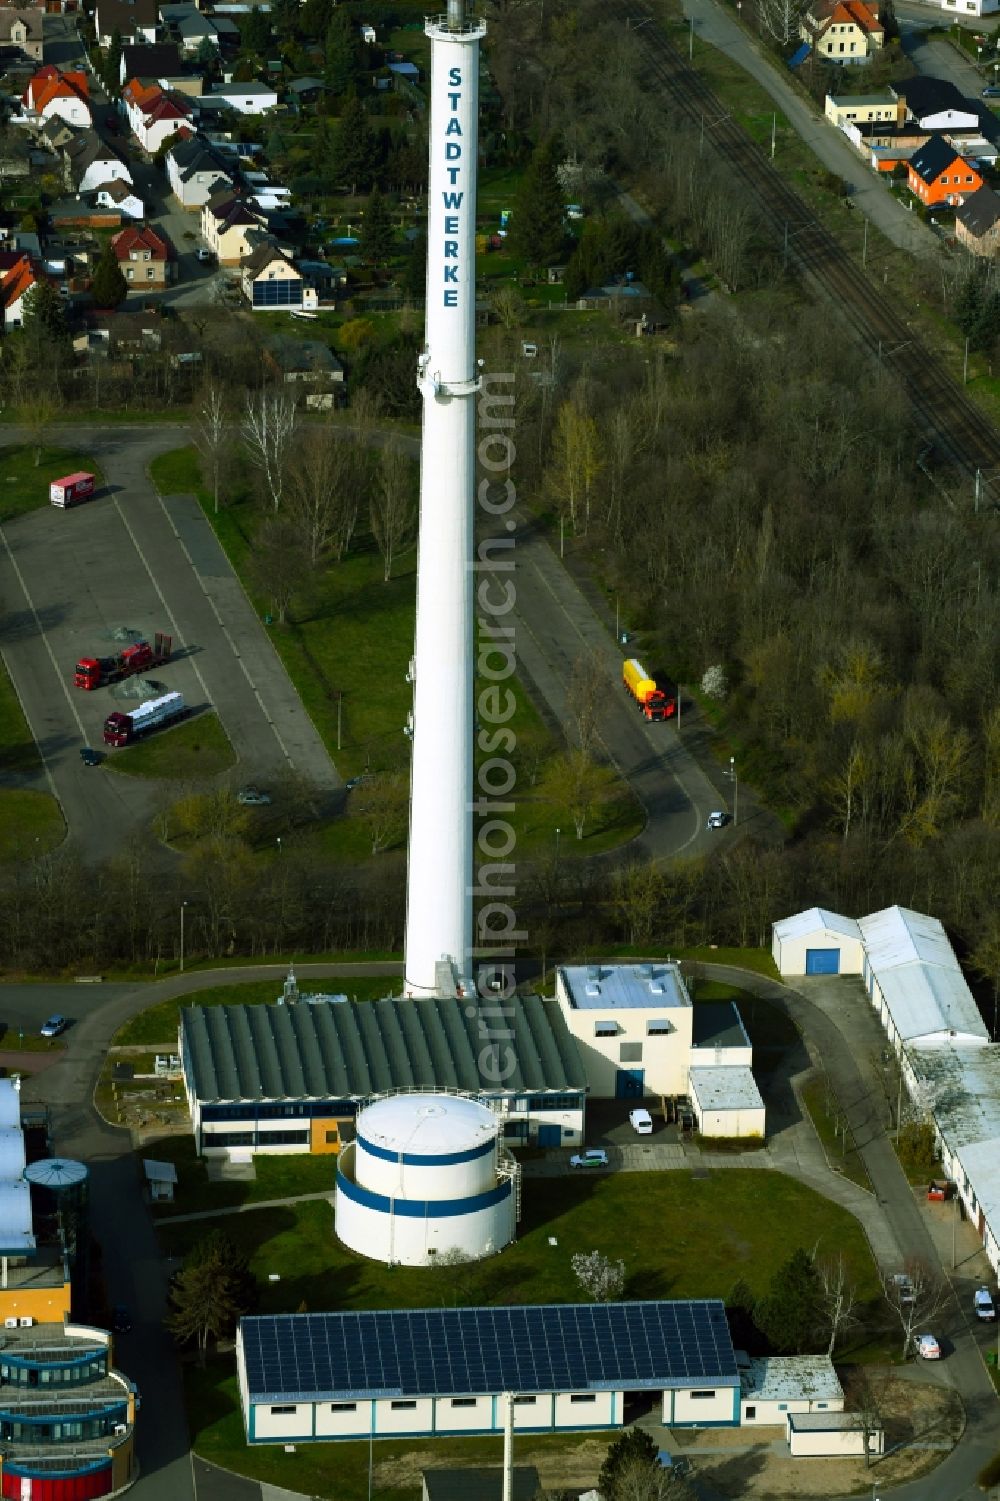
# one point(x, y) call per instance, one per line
point(558, 832)
point(183, 905)
point(736, 790)
point(278, 841)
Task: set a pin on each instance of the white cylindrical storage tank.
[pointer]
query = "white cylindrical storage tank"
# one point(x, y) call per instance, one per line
point(426, 1147)
point(422, 1180)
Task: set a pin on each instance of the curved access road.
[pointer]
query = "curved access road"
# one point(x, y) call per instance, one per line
point(841, 1032)
point(139, 559)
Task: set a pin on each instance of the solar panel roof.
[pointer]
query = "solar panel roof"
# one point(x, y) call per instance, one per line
point(432, 1352)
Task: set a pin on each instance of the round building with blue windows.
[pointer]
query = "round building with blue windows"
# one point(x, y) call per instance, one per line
point(425, 1177)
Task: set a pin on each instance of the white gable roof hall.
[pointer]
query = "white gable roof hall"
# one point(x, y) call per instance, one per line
point(923, 990)
point(817, 919)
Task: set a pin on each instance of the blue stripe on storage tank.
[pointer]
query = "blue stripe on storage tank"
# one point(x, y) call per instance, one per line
point(422, 1209)
point(418, 1159)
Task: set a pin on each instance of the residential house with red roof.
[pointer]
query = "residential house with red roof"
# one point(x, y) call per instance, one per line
point(936, 174)
point(16, 284)
point(154, 114)
point(843, 31)
point(145, 256)
point(51, 92)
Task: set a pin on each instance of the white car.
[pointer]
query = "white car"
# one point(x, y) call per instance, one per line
point(641, 1122)
point(982, 1302)
point(252, 797)
point(592, 1157)
point(717, 820)
point(927, 1347)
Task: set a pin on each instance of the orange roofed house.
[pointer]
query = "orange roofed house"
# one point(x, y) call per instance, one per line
point(17, 282)
point(937, 174)
point(843, 31)
point(145, 257)
point(52, 92)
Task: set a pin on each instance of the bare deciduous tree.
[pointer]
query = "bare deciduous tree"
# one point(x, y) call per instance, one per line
point(588, 688)
point(269, 428)
point(915, 1296)
point(212, 433)
point(322, 491)
point(838, 1298)
point(392, 511)
point(381, 802)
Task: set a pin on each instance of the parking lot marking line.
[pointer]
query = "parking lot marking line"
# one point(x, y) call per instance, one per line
point(178, 636)
point(48, 647)
point(225, 629)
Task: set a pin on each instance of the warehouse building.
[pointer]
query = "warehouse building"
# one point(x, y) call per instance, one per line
point(445, 1371)
point(291, 1077)
point(917, 989)
point(817, 942)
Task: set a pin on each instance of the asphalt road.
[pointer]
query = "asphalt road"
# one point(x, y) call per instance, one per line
point(939, 58)
point(132, 558)
point(715, 26)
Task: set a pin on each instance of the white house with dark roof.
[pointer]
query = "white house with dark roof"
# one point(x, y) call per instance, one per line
point(196, 172)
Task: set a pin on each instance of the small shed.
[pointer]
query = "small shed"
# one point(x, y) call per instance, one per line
point(837, 1434)
point(817, 942)
point(161, 1178)
point(773, 1386)
point(726, 1101)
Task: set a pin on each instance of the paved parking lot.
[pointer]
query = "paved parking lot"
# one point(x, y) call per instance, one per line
point(130, 558)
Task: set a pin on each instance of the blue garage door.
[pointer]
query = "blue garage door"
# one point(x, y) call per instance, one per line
point(549, 1136)
point(630, 1084)
point(822, 961)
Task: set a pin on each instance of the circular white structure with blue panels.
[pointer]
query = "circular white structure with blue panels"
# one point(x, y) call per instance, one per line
point(422, 1180)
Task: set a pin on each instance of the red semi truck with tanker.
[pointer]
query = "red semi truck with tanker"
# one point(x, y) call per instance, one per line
point(155, 714)
point(95, 672)
point(652, 701)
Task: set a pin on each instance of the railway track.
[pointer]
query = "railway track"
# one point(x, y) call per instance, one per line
point(952, 424)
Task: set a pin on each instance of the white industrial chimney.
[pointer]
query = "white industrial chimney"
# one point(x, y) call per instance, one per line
point(439, 874)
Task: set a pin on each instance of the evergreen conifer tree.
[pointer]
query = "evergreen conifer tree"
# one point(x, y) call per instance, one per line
point(537, 231)
point(377, 233)
point(109, 287)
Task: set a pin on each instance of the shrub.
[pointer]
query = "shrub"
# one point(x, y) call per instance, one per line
point(989, 1475)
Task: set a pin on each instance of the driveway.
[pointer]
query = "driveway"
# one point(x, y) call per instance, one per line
point(939, 58)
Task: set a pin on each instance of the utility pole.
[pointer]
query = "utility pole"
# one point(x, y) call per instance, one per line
point(786, 245)
point(774, 132)
point(864, 247)
point(965, 366)
point(340, 706)
point(691, 40)
point(736, 796)
point(979, 482)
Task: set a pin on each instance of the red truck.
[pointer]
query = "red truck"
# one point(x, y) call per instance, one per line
point(71, 489)
point(154, 714)
point(95, 672)
point(652, 701)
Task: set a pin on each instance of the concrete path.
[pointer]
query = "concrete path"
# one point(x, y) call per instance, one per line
point(164, 1221)
point(715, 26)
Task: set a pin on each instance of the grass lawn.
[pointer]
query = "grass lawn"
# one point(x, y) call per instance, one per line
point(347, 649)
point(18, 751)
point(277, 1178)
point(25, 486)
point(31, 824)
point(758, 960)
point(191, 751)
point(687, 1237)
point(159, 1024)
point(840, 1148)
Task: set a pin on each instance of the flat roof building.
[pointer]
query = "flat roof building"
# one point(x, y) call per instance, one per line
point(435, 1371)
point(773, 1385)
point(633, 1024)
point(726, 1102)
